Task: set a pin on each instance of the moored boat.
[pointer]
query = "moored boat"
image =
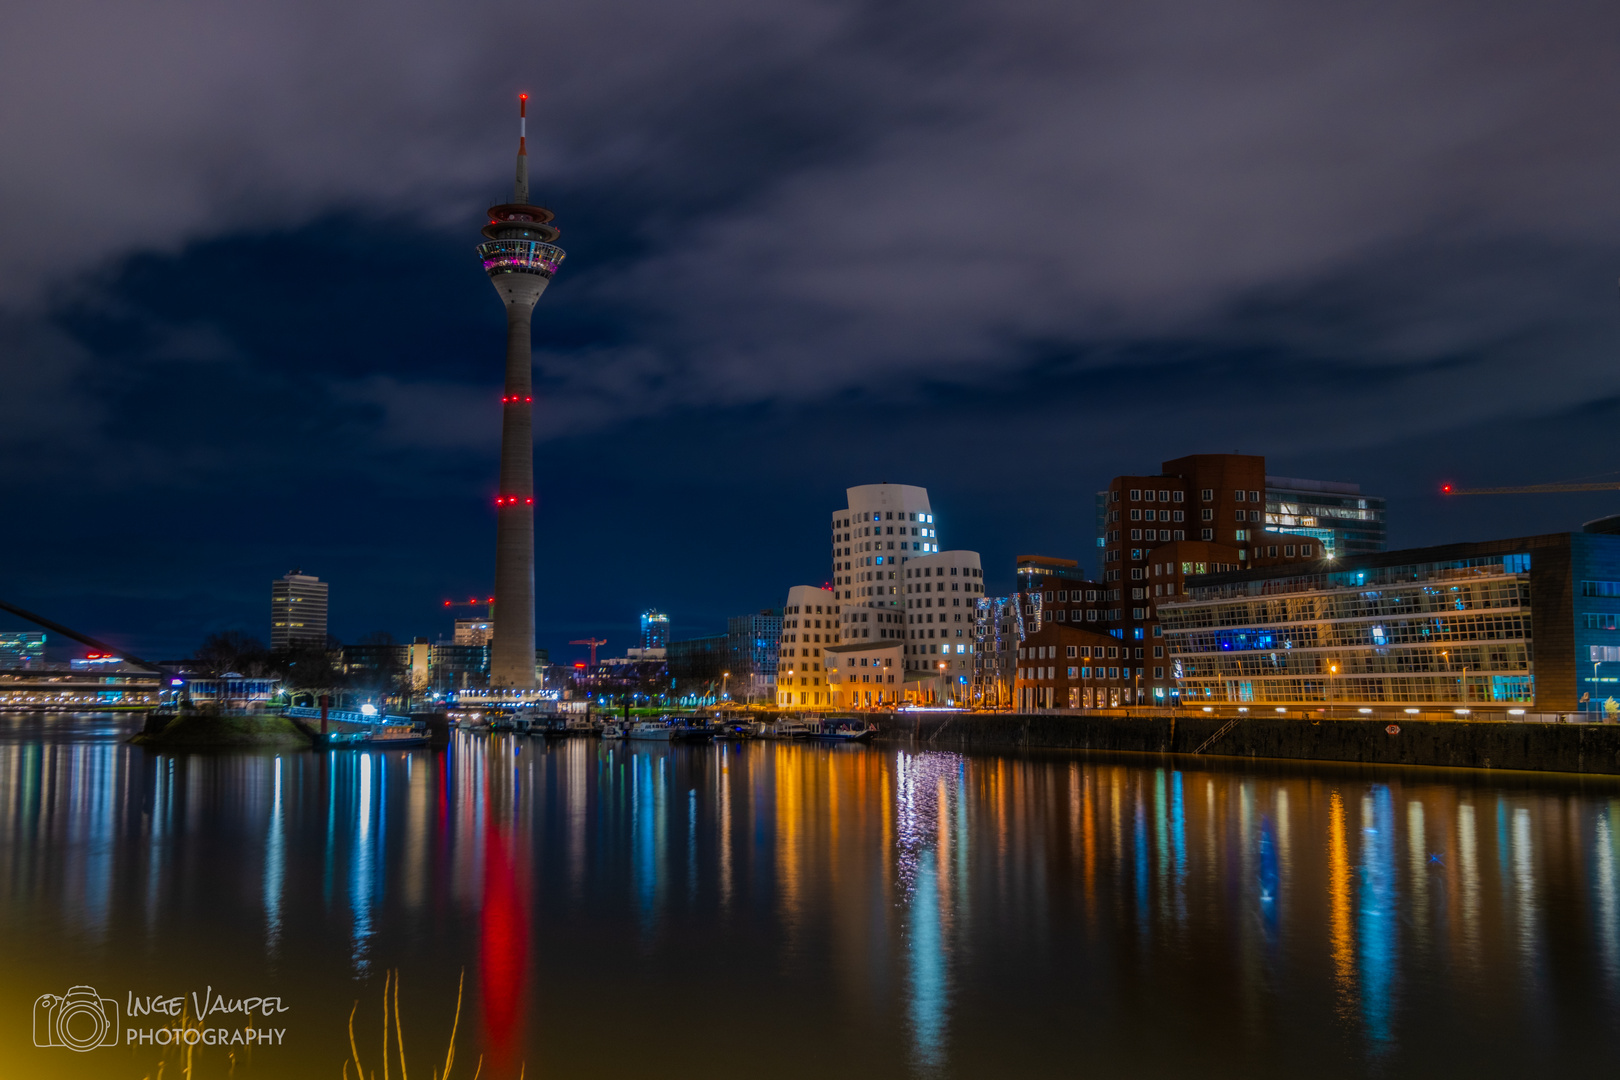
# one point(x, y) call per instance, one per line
point(840, 729)
point(651, 730)
point(386, 737)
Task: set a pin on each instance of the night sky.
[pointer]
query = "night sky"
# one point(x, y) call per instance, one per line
point(1003, 251)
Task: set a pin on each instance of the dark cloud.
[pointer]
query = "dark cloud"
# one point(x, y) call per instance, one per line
point(238, 270)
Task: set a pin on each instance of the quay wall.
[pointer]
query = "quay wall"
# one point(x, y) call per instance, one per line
point(1548, 747)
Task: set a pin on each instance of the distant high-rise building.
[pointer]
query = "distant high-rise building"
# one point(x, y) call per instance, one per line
point(297, 611)
point(654, 629)
point(1338, 514)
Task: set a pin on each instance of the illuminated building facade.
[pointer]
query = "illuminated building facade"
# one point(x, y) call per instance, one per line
point(752, 645)
point(1530, 623)
point(867, 674)
point(654, 630)
point(809, 626)
point(298, 604)
point(1062, 666)
point(1337, 515)
point(473, 631)
point(520, 259)
point(22, 649)
point(882, 528)
point(941, 594)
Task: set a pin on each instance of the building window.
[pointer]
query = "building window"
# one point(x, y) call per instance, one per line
point(1238, 495)
point(1177, 496)
point(1206, 515)
point(1136, 495)
point(1208, 495)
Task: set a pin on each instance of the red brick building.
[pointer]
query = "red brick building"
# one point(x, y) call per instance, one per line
point(1062, 666)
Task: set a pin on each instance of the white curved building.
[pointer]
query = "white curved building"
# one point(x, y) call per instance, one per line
point(809, 626)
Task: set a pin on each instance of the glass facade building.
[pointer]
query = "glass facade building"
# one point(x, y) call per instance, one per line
point(1504, 624)
point(752, 645)
point(654, 629)
point(1339, 515)
point(22, 649)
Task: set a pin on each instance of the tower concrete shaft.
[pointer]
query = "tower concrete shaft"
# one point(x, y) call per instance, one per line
point(520, 260)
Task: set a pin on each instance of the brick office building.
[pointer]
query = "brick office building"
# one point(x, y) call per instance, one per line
point(1068, 667)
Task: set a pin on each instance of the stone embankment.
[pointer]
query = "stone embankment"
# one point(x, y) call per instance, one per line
point(1546, 747)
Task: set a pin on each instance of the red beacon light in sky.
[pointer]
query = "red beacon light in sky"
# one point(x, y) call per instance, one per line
point(1445, 489)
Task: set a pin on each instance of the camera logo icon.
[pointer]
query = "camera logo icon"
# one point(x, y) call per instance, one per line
point(80, 1020)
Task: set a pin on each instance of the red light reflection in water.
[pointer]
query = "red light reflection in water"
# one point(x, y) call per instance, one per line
point(503, 953)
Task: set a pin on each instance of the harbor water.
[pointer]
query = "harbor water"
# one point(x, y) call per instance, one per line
point(774, 909)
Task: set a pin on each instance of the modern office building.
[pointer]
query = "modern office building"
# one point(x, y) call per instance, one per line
point(473, 631)
point(752, 645)
point(1530, 624)
point(1199, 514)
point(697, 667)
point(1338, 515)
point(22, 649)
point(809, 626)
point(443, 666)
point(941, 594)
point(298, 604)
point(882, 527)
point(520, 259)
point(1035, 572)
point(654, 630)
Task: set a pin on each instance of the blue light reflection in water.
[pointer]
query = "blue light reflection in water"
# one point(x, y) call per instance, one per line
point(1378, 921)
point(866, 912)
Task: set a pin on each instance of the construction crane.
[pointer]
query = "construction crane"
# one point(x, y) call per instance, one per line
point(1529, 489)
point(593, 643)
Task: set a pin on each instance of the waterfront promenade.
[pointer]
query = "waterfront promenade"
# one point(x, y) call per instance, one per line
point(1534, 745)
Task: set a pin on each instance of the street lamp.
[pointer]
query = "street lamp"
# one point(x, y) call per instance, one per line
point(1333, 670)
point(725, 678)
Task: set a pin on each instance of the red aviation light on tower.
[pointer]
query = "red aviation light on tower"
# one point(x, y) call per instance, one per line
point(523, 125)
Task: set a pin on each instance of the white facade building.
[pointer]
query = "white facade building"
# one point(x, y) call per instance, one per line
point(883, 528)
point(809, 626)
point(940, 593)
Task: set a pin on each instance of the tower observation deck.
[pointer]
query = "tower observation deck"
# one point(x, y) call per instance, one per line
point(520, 259)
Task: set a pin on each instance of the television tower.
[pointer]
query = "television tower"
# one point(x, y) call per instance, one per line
point(519, 259)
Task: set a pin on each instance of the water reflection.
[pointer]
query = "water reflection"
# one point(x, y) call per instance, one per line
point(864, 912)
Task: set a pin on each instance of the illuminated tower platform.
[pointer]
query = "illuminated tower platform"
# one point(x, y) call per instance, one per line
point(519, 258)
